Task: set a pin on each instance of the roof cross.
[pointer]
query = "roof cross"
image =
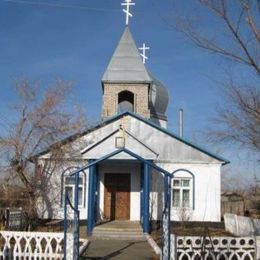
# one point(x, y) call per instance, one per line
point(127, 3)
point(143, 54)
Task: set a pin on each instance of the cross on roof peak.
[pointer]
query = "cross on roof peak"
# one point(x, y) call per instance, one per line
point(143, 54)
point(127, 3)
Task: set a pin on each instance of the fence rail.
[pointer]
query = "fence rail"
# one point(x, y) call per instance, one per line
point(30, 245)
point(213, 248)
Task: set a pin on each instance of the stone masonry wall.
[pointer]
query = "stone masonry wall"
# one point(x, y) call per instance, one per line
point(110, 98)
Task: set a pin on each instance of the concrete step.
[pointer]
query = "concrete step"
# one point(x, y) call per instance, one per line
point(109, 229)
point(116, 234)
point(118, 230)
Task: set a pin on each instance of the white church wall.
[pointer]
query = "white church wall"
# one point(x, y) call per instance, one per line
point(156, 195)
point(207, 193)
point(205, 196)
point(134, 168)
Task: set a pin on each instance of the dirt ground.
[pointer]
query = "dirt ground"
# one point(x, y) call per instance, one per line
point(199, 231)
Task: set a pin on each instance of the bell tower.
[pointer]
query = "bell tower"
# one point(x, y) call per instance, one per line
point(126, 81)
point(128, 86)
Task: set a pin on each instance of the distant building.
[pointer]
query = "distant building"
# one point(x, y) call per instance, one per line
point(232, 202)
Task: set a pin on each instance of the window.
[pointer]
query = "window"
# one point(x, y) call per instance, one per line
point(69, 186)
point(125, 102)
point(182, 192)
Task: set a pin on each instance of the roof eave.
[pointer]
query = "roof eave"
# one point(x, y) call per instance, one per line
point(116, 117)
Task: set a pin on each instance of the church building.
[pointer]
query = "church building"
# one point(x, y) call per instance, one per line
point(130, 152)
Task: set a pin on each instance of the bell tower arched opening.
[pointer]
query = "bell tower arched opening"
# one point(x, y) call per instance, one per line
point(125, 102)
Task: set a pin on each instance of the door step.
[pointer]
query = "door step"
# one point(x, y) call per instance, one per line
point(118, 230)
point(115, 235)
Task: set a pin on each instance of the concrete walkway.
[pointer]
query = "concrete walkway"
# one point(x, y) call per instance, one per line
point(118, 249)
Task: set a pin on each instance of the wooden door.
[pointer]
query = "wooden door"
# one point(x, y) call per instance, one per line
point(117, 196)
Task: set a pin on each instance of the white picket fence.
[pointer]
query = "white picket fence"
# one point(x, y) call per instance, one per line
point(31, 245)
point(214, 248)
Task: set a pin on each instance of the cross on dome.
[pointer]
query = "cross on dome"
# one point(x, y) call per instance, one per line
point(143, 54)
point(127, 3)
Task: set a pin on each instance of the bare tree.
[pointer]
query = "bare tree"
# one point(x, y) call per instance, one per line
point(236, 36)
point(239, 120)
point(42, 122)
point(238, 33)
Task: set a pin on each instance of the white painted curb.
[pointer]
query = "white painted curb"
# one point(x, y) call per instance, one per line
point(83, 247)
point(154, 245)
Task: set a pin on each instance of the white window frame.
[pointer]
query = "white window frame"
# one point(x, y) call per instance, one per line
point(181, 188)
point(81, 185)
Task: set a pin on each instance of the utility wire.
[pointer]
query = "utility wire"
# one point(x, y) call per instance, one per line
point(29, 2)
point(62, 6)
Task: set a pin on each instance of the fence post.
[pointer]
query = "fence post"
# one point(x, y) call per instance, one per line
point(76, 218)
point(237, 226)
point(173, 244)
point(65, 226)
point(166, 221)
point(257, 241)
point(7, 218)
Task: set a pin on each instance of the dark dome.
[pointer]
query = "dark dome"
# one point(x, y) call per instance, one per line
point(158, 97)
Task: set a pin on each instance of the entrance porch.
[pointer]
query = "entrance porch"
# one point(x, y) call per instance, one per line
point(118, 191)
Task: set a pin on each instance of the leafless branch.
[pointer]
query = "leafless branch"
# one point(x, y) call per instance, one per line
point(42, 120)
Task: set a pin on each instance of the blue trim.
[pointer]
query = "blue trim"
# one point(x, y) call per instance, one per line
point(165, 186)
point(142, 195)
point(146, 192)
point(98, 194)
point(94, 197)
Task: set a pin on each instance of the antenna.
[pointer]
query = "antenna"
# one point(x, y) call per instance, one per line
point(181, 122)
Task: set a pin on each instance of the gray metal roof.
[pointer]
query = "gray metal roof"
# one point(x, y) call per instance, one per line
point(126, 65)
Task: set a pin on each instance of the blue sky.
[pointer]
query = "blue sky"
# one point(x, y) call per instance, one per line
point(74, 40)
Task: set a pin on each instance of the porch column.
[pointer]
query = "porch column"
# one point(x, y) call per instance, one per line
point(91, 198)
point(142, 196)
point(146, 198)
